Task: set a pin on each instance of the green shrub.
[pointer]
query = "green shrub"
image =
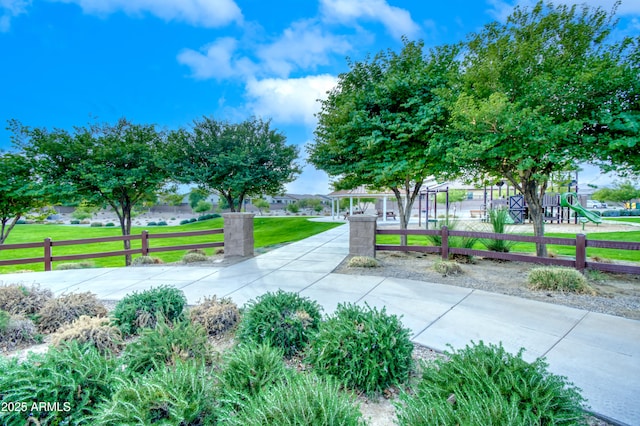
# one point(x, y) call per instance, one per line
point(95, 331)
point(447, 267)
point(217, 316)
point(96, 224)
point(110, 224)
point(141, 310)
point(67, 308)
point(152, 223)
point(363, 348)
point(247, 371)
point(22, 300)
point(162, 223)
point(192, 220)
point(166, 344)
point(73, 378)
point(74, 222)
point(363, 262)
point(556, 278)
point(75, 265)
point(16, 330)
point(21, 222)
point(304, 400)
point(184, 221)
point(283, 319)
point(485, 385)
point(208, 216)
point(179, 395)
point(499, 219)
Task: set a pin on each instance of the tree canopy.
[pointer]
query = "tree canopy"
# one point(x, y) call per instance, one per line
point(234, 160)
point(537, 92)
point(375, 125)
point(18, 191)
point(117, 165)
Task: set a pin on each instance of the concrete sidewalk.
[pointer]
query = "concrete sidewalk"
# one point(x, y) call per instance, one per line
point(598, 353)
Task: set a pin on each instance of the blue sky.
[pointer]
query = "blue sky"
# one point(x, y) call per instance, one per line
point(168, 62)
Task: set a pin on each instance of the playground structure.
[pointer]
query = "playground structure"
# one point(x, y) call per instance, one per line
point(431, 197)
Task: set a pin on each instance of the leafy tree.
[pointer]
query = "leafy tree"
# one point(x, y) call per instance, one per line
point(623, 192)
point(196, 195)
point(18, 191)
point(203, 206)
point(260, 204)
point(234, 160)
point(376, 124)
point(532, 88)
point(119, 165)
point(293, 207)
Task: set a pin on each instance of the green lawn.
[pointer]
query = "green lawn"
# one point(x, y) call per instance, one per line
point(612, 254)
point(624, 219)
point(267, 232)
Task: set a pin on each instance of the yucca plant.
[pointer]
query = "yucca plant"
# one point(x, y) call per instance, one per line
point(499, 219)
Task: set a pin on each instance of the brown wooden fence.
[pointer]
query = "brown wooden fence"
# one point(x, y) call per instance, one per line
point(145, 237)
point(580, 243)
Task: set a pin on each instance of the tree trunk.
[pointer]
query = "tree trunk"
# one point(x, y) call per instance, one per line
point(404, 210)
point(536, 213)
point(125, 227)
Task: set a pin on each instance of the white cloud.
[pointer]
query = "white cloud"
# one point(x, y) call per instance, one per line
point(305, 45)
point(293, 100)
point(216, 60)
point(10, 9)
point(204, 13)
point(397, 21)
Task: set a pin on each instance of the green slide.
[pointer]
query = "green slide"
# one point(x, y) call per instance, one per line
point(564, 202)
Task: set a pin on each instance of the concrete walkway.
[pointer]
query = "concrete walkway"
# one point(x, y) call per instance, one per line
point(598, 353)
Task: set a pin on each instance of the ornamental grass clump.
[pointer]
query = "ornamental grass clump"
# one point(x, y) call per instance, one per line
point(141, 310)
point(304, 399)
point(65, 309)
point(19, 299)
point(95, 331)
point(556, 278)
point(167, 344)
point(363, 262)
point(182, 394)
point(70, 380)
point(16, 330)
point(447, 267)
point(217, 316)
point(363, 348)
point(284, 320)
point(499, 219)
point(485, 385)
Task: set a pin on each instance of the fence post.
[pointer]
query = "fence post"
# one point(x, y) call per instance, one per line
point(47, 254)
point(238, 234)
point(581, 252)
point(362, 235)
point(444, 231)
point(145, 243)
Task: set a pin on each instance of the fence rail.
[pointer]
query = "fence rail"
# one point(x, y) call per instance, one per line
point(48, 245)
point(580, 243)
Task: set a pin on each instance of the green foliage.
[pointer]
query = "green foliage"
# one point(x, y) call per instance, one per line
point(261, 204)
point(203, 206)
point(283, 320)
point(167, 344)
point(96, 224)
point(458, 242)
point(304, 400)
point(363, 348)
point(4, 320)
point(235, 160)
point(499, 218)
point(142, 310)
point(179, 395)
point(23, 300)
point(73, 379)
point(217, 316)
point(363, 262)
point(19, 191)
point(248, 370)
point(84, 212)
point(557, 278)
point(485, 385)
point(66, 308)
point(293, 208)
point(95, 331)
point(207, 217)
point(622, 192)
point(195, 196)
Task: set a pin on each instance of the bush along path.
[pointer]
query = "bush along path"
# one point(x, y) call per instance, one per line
point(154, 360)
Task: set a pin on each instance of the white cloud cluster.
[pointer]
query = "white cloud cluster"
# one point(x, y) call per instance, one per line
point(397, 21)
point(204, 13)
point(217, 60)
point(10, 9)
point(289, 100)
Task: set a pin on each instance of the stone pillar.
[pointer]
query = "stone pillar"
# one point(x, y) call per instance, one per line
point(362, 235)
point(238, 234)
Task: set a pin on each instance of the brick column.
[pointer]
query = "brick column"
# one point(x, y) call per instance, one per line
point(362, 235)
point(238, 234)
